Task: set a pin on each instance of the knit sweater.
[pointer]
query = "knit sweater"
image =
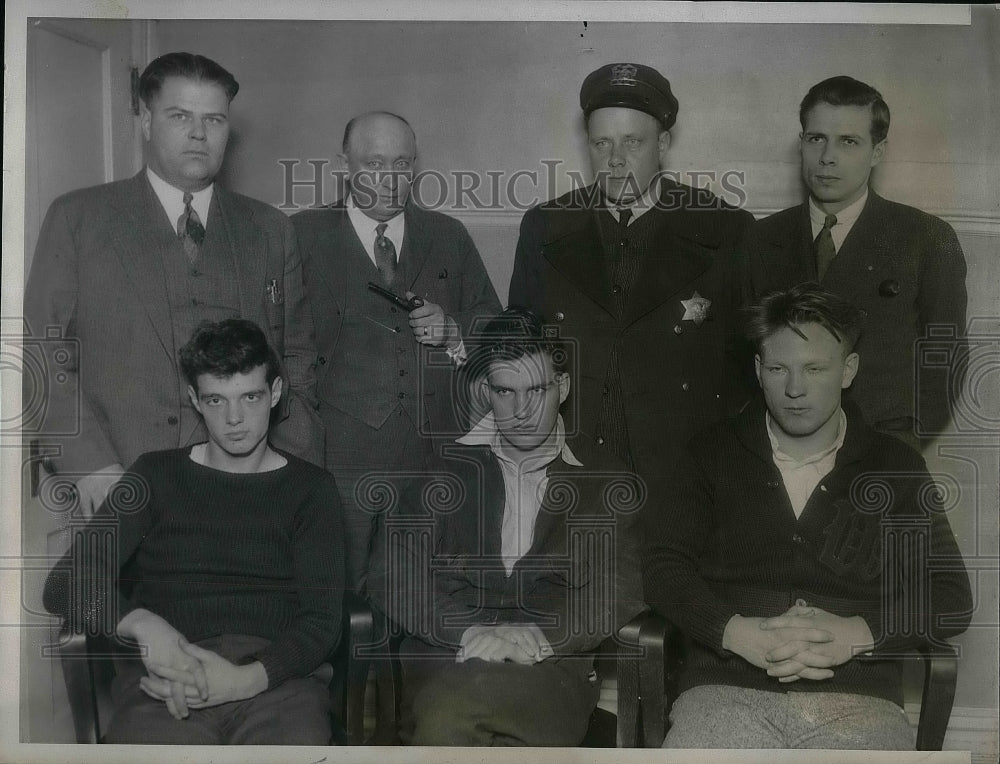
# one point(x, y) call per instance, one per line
point(727, 542)
point(215, 552)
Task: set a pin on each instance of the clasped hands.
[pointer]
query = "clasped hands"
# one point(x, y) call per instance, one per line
point(183, 675)
point(805, 642)
point(517, 643)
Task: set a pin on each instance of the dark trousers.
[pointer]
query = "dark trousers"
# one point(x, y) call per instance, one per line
point(296, 712)
point(476, 703)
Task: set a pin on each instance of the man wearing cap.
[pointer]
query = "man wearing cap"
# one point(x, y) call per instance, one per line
point(638, 270)
point(904, 268)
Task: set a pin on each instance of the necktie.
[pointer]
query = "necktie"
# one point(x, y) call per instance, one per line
point(189, 229)
point(385, 254)
point(624, 216)
point(825, 250)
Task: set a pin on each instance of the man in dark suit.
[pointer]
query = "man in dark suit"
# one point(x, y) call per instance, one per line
point(902, 267)
point(638, 271)
point(125, 271)
point(386, 372)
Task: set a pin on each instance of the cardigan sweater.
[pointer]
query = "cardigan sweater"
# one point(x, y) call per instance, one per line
point(872, 541)
point(214, 552)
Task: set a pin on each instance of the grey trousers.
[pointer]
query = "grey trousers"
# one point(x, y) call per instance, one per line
point(719, 716)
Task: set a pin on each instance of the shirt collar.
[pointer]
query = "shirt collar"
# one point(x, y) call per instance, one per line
point(172, 199)
point(781, 456)
point(486, 433)
point(845, 217)
point(641, 205)
point(365, 226)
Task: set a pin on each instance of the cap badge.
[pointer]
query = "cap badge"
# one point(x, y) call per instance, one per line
point(623, 74)
point(696, 309)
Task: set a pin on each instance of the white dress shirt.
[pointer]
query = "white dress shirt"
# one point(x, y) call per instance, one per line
point(364, 227)
point(801, 476)
point(846, 219)
point(172, 199)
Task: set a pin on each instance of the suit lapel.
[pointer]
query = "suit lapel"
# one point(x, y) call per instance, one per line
point(341, 255)
point(140, 232)
point(247, 248)
point(416, 246)
point(573, 247)
point(867, 241)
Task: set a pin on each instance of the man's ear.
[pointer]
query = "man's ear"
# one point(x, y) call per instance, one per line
point(850, 370)
point(664, 144)
point(878, 152)
point(193, 395)
point(145, 117)
point(276, 391)
point(562, 379)
point(756, 367)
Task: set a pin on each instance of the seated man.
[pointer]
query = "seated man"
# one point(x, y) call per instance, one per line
point(511, 561)
point(793, 553)
point(229, 570)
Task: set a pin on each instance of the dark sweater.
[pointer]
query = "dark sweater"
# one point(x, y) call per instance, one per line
point(215, 552)
point(727, 542)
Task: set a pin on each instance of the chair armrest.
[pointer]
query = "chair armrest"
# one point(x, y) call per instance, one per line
point(358, 631)
point(641, 671)
point(940, 674)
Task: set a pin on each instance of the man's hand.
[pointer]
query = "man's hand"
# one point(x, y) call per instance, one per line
point(226, 681)
point(93, 489)
point(748, 638)
point(432, 327)
point(519, 643)
point(163, 654)
point(850, 636)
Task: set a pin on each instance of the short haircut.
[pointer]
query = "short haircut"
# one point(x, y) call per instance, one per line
point(232, 346)
point(847, 91)
point(807, 303)
point(352, 124)
point(188, 65)
point(514, 334)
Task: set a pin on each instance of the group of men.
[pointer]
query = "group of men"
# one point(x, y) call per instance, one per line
point(350, 335)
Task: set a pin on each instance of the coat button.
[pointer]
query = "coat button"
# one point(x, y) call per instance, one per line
point(402, 395)
point(322, 360)
point(616, 289)
point(798, 539)
point(171, 420)
point(560, 316)
point(402, 372)
point(600, 441)
point(678, 329)
point(686, 386)
point(773, 484)
point(623, 243)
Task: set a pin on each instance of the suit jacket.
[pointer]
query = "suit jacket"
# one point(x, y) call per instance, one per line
point(902, 267)
point(97, 283)
point(579, 581)
point(677, 375)
point(369, 362)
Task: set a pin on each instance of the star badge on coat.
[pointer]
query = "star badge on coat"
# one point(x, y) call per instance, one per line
point(696, 309)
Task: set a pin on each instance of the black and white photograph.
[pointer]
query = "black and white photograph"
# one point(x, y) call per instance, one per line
point(387, 381)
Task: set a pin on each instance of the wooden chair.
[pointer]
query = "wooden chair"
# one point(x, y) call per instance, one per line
point(88, 671)
point(663, 648)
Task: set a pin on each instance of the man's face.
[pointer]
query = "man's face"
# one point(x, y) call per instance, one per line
point(186, 128)
point(237, 412)
point(380, 161)
point(526, 395)
point(627, 150)
point(838, 154)
point(802, 379)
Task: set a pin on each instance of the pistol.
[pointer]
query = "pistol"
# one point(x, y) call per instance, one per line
point(402, 302)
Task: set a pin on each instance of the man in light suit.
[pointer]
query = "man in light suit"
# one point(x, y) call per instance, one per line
point(386, 373)
point(902, 267)
point(128, 269)
point(639, 271)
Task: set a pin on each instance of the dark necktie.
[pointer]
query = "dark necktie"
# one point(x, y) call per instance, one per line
point(624, 216)
point(385, 254)
point(189, 229)
point(825, 249)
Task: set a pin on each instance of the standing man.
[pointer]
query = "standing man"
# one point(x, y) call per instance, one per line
point(129, 269)
point(902, 267)
point(802, 553)
point(386, 372)
point(638, 271)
